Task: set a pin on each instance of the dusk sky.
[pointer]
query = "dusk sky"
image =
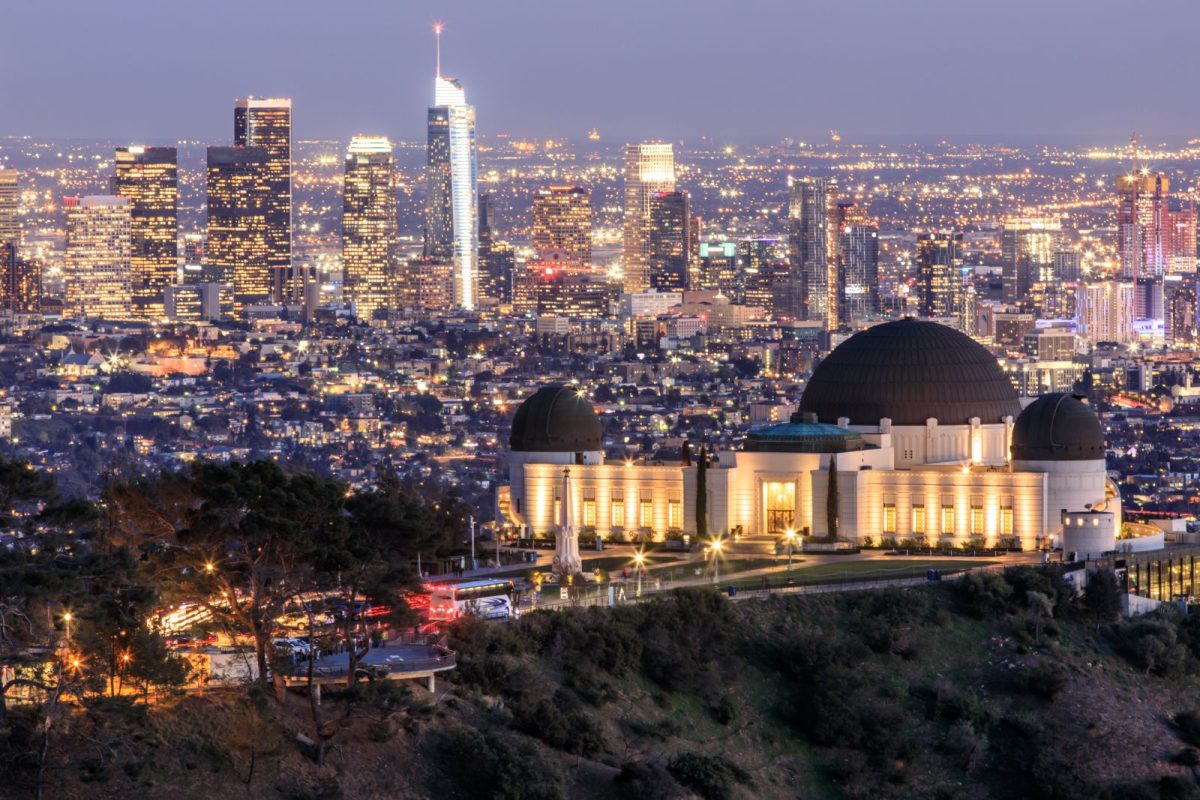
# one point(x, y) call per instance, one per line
point(160, 70)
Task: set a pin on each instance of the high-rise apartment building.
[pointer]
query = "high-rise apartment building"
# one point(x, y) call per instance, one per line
point(939, 274)
point(669, 245)
point(1181, 319)
point(452, 212)
point(649, 170)
point(148, 178)
point(1181, 238)
point(562, 225)
point(1105, 312)
point(858, 254)
point(370, 230)
point(98, 263)
point(239, 206)
point(267, 123)
point(813, 211)
point(1143, 239)
point(10, 197)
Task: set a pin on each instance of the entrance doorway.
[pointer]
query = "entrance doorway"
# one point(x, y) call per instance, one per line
point(779, 502)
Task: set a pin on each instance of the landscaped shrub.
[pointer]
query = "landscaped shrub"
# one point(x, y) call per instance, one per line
point(984, 594)
point(1102, 597)
point(1044, 679)
point(499, 767)
point(647, 781)
point(1152, 645)
point(712, 777)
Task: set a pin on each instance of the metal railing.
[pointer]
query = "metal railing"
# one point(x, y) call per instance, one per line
point(389, 670)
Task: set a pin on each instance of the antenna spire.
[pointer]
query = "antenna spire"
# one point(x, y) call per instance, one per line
point(437, 33)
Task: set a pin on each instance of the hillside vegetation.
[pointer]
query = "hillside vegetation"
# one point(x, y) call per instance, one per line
point(995, 686)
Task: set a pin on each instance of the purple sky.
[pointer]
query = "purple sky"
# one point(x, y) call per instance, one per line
point(157, 70)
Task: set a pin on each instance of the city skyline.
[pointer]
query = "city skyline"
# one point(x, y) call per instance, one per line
point(337, 67)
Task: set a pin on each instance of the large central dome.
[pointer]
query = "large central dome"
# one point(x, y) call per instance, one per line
point(909, 371)
point(556, 419)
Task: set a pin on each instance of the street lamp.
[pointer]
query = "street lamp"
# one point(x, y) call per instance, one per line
point(67, 617)
point(639, 561)
point(716, 551)
point(790, 535)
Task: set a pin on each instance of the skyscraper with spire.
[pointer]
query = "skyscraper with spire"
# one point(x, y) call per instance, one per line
point(452, 211)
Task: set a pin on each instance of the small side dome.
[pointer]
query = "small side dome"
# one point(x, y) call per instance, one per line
point(556, 419)
point(1057, 427)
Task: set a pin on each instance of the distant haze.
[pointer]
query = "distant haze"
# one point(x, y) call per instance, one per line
point(160, 70)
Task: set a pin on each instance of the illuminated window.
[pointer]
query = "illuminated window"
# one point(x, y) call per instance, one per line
point(675, 514)
point(948, 515)
point(646, 514)
point(1006, 517)
point(977, 516)
point(618, 513)
point(889, 517)
point(918, 519)
point(557, 510)
point(589, 512)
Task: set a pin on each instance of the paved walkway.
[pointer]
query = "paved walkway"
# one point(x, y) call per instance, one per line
point(813, 584)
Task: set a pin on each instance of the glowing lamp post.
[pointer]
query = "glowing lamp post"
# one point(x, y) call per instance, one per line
point(716, 551)
point(639, 561)
point(67, 617)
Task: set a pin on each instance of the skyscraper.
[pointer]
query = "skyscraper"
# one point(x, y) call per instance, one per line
point(1027, 248)
point(452, 213)
point(1105, 313)
point(147, 176)
point(267, 123)
point(10, 195)
point(649, 170)
point(1142, 216)
point(813, 210)
point(1181, 319)
point(370, 233)
point(98, 256)
point(761, 264)
point(858, 252)
point(669, 244)
point(939, 277)
point(497, 259)
point(1181, 237)
point(719, 270)
point(562, 225)
point(239, 204)
point(20, 281)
